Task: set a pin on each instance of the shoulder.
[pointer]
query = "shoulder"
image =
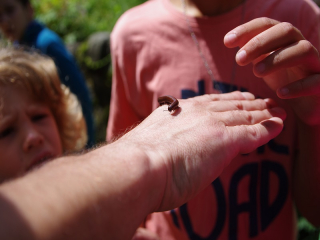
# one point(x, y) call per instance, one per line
point(289, 10)
point(139, 21)
point(47, 38)
point(303, 8)
point(303, 14)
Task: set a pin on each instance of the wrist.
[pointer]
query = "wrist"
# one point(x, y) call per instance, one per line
point(148, 174)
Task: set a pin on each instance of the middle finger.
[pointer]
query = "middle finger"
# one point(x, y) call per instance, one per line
point(258, 104)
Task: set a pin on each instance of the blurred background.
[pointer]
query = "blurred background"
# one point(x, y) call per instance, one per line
point(85, 27)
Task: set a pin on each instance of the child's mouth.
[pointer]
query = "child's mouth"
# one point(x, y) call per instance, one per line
point(40, 160)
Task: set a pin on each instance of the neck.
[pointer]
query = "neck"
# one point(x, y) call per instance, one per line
point(202, 8)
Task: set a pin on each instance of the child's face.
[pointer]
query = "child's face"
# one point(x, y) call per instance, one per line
point(28, 133)
point(14, 18)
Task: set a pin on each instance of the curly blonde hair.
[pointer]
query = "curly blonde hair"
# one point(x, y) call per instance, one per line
point(37, 74)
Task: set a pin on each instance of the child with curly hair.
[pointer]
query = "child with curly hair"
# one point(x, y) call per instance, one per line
point(40, 118)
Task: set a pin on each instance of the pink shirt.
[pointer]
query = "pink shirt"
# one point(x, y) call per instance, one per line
point(153, 55)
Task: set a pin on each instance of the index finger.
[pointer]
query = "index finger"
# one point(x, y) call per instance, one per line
point(240, 35)
point(276, 37)
point(236, 95)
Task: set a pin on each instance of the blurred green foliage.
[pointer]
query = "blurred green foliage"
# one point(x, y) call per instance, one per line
point(75, 20)
point(307, 231)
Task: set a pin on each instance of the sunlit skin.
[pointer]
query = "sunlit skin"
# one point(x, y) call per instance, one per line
point(14, 18)
point(28, 133)
point(202, 8)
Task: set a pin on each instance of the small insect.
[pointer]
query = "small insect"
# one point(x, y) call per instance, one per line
point(171, 101)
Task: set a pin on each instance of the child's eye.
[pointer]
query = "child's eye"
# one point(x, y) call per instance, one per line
point(38, 117)
point(6, 132)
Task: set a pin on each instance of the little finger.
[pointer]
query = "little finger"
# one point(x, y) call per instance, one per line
point(248, 138)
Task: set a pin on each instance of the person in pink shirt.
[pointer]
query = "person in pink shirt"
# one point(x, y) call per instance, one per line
point(195, 47)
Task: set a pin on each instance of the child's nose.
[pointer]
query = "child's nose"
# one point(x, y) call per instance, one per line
point(33, 139)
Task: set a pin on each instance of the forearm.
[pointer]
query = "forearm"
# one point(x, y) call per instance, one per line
point(159, 165)
point(107, 197)
point(307, 173)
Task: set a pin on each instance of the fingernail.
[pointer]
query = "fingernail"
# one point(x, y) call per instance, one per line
point(230, 38)
point(241, 56)
point(278, 110)
point(248, 96)
point(284, 91)
point(272, 123)
point(260, 67)
point(270, 103)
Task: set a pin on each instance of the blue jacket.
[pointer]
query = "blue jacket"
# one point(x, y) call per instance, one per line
point(49, 43)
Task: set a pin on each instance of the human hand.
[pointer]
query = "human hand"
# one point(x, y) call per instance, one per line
point(190, 147)
point(145, 234)
point(287, 62)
